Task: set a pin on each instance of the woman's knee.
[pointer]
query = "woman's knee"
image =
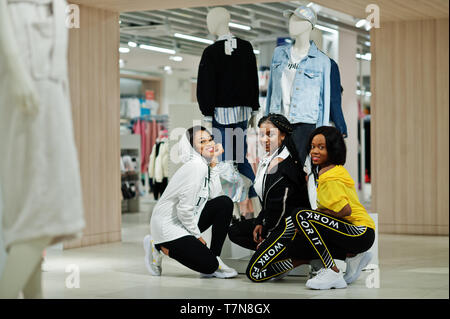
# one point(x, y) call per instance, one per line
point(210, 266)
point(227, 203)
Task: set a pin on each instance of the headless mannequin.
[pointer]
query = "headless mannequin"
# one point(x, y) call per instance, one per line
point(22, 272)
point(217, 22)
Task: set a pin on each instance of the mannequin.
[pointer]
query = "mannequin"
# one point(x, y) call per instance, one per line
point(39, 172)
point(231, 114)
point(299, 84)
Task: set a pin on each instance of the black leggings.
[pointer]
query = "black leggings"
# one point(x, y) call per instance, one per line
point(318, 235)
point(190, 251)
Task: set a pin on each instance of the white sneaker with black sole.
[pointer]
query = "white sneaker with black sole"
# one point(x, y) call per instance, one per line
point(355, 265)
point(153, 258)
point(222, 272)
point(327, 278)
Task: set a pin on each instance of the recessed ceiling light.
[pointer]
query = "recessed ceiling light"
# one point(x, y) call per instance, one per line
point(176, 58)
point(256, 51)
point(239, 26)
point(321, 27)
point(132, 44)
point(192, 38)
point(158, 49)
point(360, 23)
point(124, 50)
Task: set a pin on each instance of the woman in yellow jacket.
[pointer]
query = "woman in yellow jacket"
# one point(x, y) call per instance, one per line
point(340, 226)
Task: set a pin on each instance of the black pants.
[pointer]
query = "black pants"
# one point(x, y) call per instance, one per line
point(300, 135)
point(190, 251)
point(241, 233)
point(318, 235)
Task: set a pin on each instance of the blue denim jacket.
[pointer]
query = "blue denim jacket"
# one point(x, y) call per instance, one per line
point(310, 100)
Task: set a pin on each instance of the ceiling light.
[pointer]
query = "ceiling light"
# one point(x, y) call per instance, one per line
point(360, 23)
point(124, 50)
point(239, 26)
point(168, 69)
point(158, 49)
point(310, 4)
point(176, 58)
point(256, 51)
point(366, 56)
point(321, 27)
point(132, 44)
point(192, 38)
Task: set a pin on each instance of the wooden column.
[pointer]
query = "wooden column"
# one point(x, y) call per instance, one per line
point(95, 94)
point(410, 131)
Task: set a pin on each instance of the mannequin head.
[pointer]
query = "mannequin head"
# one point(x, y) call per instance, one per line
point(217, 21)
point(299, 26)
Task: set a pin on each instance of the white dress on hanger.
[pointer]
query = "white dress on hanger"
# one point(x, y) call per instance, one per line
point(39, 169)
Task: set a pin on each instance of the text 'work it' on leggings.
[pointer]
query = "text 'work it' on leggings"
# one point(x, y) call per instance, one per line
point(320, 235)
point(191, 252)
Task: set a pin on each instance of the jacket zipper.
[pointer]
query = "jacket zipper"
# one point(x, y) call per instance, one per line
point(284, 208)
point(265, 199)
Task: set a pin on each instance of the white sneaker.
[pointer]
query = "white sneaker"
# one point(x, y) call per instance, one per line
point(153, 258)
point(316, 265)
point(355, 265)
point(327, 278)
point(222, 272)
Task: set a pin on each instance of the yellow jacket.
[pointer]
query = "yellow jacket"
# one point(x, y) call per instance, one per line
point(336, 189)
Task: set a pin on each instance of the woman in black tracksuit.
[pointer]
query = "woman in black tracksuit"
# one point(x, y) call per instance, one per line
point(279, 183)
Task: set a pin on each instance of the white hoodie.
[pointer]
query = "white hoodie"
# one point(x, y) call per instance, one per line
point(178, 210)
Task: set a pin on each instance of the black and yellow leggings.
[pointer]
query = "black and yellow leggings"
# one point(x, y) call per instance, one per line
point(318, 235)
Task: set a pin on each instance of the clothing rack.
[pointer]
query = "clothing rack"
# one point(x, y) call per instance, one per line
point(130, 96)
point(151, 117)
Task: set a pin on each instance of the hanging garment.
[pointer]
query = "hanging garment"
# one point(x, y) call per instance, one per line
point(159, 162)
point(227, 80)
point(310, 94)
point(336, 115)
point(39, 169)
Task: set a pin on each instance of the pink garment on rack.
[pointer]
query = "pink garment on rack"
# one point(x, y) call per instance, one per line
point(139, 128)
point(148, 146)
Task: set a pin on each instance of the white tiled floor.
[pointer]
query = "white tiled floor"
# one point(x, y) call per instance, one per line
point(410, 267)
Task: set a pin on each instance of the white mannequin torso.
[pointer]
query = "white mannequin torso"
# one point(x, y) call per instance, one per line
point(300, 30)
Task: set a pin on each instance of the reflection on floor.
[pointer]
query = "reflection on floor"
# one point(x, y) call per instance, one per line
point(410, 267)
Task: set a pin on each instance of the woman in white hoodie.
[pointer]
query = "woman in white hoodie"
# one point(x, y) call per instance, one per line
point(191, 203)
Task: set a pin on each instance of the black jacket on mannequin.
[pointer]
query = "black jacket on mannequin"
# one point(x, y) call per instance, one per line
point(227, 80)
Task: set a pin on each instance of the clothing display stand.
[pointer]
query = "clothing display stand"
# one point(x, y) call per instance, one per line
point(131, 145)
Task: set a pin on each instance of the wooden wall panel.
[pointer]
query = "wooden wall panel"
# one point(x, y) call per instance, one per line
point(410, 128)
point(95, 93)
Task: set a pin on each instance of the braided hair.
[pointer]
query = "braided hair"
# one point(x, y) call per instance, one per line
point(283, 124)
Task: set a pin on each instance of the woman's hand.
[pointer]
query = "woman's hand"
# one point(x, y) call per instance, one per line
point(257, 234)
point(202, 240)
point(218, 150)
point(346, 211)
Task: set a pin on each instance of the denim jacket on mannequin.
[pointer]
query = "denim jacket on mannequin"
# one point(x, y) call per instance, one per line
point(310, 99)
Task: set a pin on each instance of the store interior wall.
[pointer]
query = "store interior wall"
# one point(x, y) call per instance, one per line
point(347, 67)
point(410, 129)
point(94, 87)
point(96, 210)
